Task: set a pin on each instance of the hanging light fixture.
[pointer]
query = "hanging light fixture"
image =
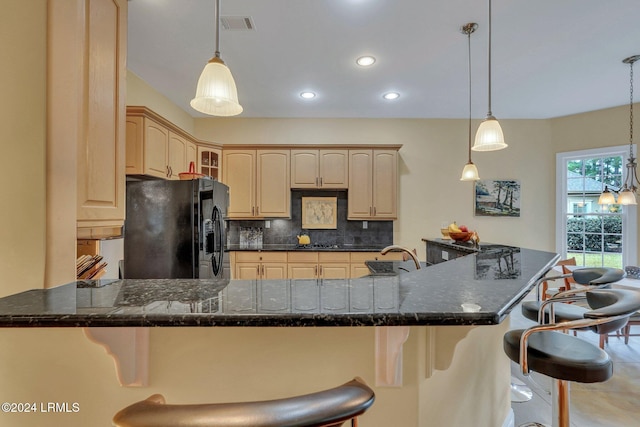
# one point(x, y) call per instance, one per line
point(470, 171)
point(489, 136)
point(631, 185)
point(216, 93)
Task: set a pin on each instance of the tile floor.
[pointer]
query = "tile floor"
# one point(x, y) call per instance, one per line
point(614, 403)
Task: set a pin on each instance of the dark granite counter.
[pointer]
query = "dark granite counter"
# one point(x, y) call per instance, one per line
point(309, 248)
point(495, 280)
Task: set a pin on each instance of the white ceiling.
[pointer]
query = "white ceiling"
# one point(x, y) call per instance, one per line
point(550, 57)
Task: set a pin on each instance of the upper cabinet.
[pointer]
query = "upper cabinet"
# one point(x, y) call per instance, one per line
point(101, 147)
point(259, 183)
point(374, 173)
point(320, 169)
point(156, 147)
point(209, 160)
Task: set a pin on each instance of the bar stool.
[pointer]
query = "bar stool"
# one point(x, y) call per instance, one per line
point(327, 408)
point(565, 358)
point(598, 277)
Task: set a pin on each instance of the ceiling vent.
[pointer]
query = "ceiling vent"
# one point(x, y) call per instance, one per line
point(237, 23)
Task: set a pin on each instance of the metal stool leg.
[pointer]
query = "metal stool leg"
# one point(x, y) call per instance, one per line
point(560, 403)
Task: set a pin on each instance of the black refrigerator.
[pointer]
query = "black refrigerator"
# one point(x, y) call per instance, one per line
point(175, 230)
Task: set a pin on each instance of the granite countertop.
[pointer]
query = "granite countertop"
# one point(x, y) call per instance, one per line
point(494, 280)
point(311, 248)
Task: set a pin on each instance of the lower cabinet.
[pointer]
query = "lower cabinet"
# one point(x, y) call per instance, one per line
point(319, 265)
point(259, 265)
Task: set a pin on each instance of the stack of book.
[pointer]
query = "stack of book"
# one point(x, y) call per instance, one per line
point(90, 267)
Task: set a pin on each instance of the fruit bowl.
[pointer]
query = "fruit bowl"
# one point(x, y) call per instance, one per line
point(460, 236)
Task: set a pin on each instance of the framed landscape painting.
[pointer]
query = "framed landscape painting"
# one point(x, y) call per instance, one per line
point(497, 198)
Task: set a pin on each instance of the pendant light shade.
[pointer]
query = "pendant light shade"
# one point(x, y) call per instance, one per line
point(470, 171)
point(489, 136)
point(607, 197)
point(216, 93)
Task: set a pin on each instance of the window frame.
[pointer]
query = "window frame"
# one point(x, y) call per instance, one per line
point(629, 212)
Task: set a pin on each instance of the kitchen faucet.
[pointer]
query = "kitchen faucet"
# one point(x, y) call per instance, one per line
point(397, 248)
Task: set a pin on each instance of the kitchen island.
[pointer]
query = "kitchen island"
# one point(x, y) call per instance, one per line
point(280, 337)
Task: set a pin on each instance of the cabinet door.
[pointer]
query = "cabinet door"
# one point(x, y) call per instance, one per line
point(192, 155)
point(177, 156)
point(359, 270)
point(101, 166)
point(209, 160)
point(134, 162)
point(360, 195)
point(273, 184)
point(156, 141)
point(303, 270)
point(385, 182)
point(335, 271)
point(334, 168)
point(304, 169)
point(239, 175)
point(247, 271)
point(272, 270)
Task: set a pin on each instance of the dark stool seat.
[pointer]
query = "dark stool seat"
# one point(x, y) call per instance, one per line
point(561, 356)
point(546, 349)
point(327, 408)
point(597, 277)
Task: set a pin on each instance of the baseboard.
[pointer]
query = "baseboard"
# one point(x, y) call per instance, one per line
point(510, 421)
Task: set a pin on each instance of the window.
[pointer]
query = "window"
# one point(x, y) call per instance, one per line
point(596, 235)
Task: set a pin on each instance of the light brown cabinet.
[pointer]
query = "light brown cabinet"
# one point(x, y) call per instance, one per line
point(251, 265)
point(156, 147)
point(101, 160)
point(209, 160)
point(259, 184)
point(373, 174)
point(154, 150)
point(320, 265)
point(324, 169)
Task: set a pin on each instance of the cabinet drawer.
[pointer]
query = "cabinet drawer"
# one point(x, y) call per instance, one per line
point(303, 257)
point(333, 257)
point(252, 256)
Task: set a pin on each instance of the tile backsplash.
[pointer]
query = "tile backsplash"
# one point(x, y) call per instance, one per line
point(284, 231)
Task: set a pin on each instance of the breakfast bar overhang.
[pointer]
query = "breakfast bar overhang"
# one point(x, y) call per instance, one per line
point(451, 315)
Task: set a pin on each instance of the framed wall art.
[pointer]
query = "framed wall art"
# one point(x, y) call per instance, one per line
point(320, 212)
point(497, 198)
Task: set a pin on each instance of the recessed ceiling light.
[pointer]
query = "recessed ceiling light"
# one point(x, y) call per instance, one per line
point(391, 95)
point(307, 95)
point(365, 61)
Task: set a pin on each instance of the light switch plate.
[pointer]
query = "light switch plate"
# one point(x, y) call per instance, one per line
point(365, 225)
point(267, 224)
point(445, 255)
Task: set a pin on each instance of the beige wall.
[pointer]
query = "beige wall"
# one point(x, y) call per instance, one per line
point(431, 161)
point(140, 93)
point(23, 115)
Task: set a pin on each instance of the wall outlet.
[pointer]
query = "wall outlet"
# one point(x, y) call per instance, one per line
point(445, 255)
point(365, 225)
point(267, 224)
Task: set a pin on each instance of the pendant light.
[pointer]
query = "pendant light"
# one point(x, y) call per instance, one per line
point(470, 171)
point(489, 136)
point(627, 194)
point(216, 93)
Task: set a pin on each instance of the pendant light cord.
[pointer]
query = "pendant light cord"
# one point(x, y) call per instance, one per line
point(489, 113)
point(217, 22)
point(469, 45)
point(631, 110)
